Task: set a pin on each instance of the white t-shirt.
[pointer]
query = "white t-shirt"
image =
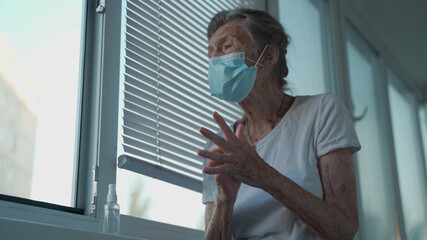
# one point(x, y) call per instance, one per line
point(312, 127)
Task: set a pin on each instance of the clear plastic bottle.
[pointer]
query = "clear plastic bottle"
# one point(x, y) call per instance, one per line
point(111, 212)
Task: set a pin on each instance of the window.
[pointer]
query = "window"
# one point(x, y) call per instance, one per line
point(411, 175)
point(309, 56)
point(39, 77)
point(375, 196)
point(164, 101)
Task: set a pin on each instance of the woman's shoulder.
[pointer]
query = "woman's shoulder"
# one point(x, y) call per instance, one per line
point(323, 97)
point(315, 101)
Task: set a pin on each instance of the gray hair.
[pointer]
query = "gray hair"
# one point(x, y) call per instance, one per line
point(262, 28)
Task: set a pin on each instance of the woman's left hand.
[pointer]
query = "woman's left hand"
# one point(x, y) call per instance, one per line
point(239, 157)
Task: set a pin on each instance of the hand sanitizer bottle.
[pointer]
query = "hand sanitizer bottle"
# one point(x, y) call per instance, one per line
point(111, 212)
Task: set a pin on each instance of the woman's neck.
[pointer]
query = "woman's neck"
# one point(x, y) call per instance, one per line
point(261, 108)
point(264, 108)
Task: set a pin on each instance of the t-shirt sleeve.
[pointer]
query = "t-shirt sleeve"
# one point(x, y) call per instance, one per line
point(334, 128)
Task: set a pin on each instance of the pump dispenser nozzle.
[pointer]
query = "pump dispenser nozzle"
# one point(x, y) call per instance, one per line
point(112, 195)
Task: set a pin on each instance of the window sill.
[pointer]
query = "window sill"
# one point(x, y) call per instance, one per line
point(40, 215)
point(19, 221)
point(15, 229)
point(143, 228)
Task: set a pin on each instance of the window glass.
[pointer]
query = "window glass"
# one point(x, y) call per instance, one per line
point(308, 57)
point(153, 199)
point(39, 66)
point(375, 205)
point(412, 182)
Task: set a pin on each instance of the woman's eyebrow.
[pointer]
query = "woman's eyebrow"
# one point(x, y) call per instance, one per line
point(226, 37)
point(222, 39)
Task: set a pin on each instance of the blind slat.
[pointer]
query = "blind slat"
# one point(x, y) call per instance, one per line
point(209, 102)
point(127, 161)
point(168, 135)
point(165, 160)
point(187, 18)
point(205, 9)
point(148, 32)
point(172, 151)
point(167, 49)
point(147, 22)
point(175, 93)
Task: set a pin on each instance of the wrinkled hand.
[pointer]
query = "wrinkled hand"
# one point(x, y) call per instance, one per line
point(234, 157)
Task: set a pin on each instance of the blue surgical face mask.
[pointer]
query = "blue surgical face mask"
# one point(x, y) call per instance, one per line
point(229, 78)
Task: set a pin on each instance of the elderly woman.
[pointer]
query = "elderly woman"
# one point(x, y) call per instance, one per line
point(284, 170)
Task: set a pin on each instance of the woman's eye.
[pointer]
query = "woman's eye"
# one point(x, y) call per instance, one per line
point(227, 47)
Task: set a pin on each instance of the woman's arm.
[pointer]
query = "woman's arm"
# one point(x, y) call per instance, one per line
point(218, 220)
point(218, 216)
point(209, 208)
point(335, 216)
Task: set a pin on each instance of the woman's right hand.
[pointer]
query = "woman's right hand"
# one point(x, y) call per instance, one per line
point(227, 185)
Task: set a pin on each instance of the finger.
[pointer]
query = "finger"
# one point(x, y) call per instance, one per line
point(213, 163)
point(219, 169)
point(219, 141)
point(224, 127)
point(240, 135)
point(214, 148)
point(219, 157)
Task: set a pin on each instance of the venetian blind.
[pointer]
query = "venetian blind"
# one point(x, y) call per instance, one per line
point(165, 95)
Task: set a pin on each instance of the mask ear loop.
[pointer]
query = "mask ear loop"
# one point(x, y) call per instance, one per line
point(265, 48)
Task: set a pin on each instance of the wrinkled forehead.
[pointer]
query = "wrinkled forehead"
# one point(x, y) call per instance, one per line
point(230, 30)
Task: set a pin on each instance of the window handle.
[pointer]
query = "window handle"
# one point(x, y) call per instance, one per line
point(358, 118)
point(101, 7)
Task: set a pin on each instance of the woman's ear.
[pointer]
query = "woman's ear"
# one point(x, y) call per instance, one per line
point(270, 56)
